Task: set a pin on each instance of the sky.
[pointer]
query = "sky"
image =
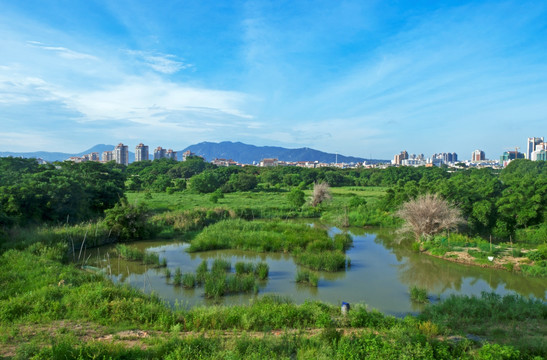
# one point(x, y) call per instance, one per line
point(363, 78)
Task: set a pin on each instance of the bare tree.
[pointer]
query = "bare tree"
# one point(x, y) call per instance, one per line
point(321, 192)
point(428, 215)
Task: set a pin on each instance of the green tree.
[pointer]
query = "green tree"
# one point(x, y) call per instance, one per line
point(296, 198)
point(206, 182)
point(129, 222)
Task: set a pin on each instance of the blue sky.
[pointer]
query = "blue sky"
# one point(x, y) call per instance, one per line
point(362, 78)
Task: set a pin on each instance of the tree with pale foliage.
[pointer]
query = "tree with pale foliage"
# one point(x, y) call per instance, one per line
point(428, 215)
point(321, 193)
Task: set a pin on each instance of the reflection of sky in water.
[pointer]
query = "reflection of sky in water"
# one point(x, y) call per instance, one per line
point(381, 273)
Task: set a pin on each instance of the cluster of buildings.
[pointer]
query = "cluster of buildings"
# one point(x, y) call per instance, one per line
point(120, 154)
point(403, 159)
point(536, 150)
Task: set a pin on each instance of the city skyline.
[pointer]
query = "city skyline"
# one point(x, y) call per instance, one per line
point(360, 78)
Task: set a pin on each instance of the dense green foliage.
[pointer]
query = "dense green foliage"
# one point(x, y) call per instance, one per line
point(498, 204)
point(65, 192)
point(312, 247)
point(129, 222)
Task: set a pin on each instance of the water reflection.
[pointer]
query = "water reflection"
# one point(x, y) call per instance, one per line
point(381, 273)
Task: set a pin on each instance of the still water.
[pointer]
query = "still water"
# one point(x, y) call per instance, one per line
point(382, 270)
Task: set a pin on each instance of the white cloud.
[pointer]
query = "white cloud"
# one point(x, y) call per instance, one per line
point(163, 63)
point(150, 100)
point(62, 51)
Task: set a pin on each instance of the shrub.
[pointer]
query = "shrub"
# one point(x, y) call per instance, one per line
point(321, 193)
point(418, 295)
point(129, 222)
point(428, 215)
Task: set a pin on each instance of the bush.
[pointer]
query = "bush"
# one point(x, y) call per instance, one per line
point(418, 295)
point(129, 222)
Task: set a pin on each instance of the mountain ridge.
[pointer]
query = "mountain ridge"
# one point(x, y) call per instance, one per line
point(237, 151)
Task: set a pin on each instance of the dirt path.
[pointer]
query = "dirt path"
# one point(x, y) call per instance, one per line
point(87, 332)
point(463, 257)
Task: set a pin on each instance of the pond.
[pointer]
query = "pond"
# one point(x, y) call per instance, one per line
point(381, 273)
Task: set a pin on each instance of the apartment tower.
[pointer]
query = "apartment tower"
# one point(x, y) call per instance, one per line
point(121, 154)
point(141, 152)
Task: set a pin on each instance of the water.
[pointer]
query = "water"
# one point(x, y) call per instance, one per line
point(382, 270)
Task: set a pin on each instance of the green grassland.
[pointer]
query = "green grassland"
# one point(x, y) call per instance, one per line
point(264, 203)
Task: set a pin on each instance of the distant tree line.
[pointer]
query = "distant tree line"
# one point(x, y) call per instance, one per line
point(33, 193)
point(492, 201)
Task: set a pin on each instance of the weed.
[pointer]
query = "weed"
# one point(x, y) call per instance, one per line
point(418, 295)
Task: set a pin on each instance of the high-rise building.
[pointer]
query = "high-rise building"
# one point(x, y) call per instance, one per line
point(170, 154)
point(478, 155)
point(141, 152)
point(121, 154)
point(159, 153)
point(398, 159)
point(187, 154)
point(531, 145)
point(510, 155)
point(108, 156)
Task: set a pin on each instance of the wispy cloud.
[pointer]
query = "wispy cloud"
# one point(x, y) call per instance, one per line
point(63, 51)
point(163, 63)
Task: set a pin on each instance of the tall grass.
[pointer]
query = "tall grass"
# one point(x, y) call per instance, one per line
point(221, 266)
point(260, 270)
point(312, 246)
point(307, 277)
point(132, 253)
point(418, 295)
point(326, 261)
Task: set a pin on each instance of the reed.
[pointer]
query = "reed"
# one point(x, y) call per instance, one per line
point(418, 295)
point(307, 277)
point(177, 279)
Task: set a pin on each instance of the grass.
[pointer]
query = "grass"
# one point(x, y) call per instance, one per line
point(220, 282)
point(312, 247)
point(418, 295)
point(261, 270)
point(34, 304)
point(249, 205)
point(508, 320)
point(307, 277)
point(132, 253)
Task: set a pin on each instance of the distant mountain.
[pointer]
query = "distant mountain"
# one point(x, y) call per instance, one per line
point(237, 151)
point(100, 148)
point(59, 156)
point(247, 154)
